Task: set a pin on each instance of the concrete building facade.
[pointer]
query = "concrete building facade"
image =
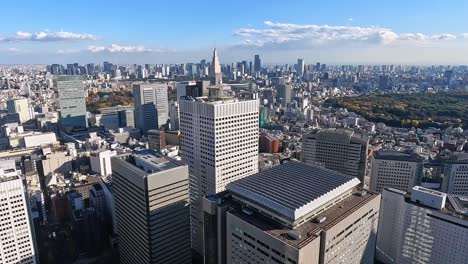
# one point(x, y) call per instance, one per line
point(151, 196)
point(276, 216)
point(219, 142)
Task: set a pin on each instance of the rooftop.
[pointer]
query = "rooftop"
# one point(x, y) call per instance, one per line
point(311, 229)
point(150, 161)
point(292, 190)
point(396, 155)
point(341, 135)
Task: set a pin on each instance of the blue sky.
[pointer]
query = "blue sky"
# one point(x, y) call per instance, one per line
point(334, 32)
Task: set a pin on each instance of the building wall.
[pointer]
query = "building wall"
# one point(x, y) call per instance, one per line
point(455, 178)
point(409, 233)
point(16, 239)
point(401, 175)
point(71, 101)
point(152, 214)
point(216, 159)
point(347, 158)
point(352, 240)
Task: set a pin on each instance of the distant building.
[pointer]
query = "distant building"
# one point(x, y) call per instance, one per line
point(300, 67)
point(394, 169)
point(71, 95)
point(342, 150)
point(455, 172)
point(425, 226)
point(156, 139)
point(17, 242)
point(101, 162)
point(21, 107)
point(257, 63)
point(276, 216)
point(192, 89)
point(283, 93)
point(151, 106)
point(268, 144)
point(152, 208)
point(116, 117)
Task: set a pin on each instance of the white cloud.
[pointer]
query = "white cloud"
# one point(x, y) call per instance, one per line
point(48, 36)
point(114, 48)
point(281, 33)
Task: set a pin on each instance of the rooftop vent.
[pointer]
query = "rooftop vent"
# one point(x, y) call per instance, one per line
point(320, 219)
point(294, 234)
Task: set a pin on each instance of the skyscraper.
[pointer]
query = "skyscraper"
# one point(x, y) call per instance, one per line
point(151, 106)
point(425, 226)
point(151, 207)
point(219, 142)
point(16, 238)
point(342, 150)
point(300, 67)
point(283, 93)
point(72, 103)
point(292, 213)
point(217, 75)
point(257, 63)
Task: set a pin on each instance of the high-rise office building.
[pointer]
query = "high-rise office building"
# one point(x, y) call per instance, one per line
point(425, 226)
point(292, 213)
point(219, 142)
point(342, 150)
point(394, 169)
point(16, 237)
point(283, 93)
point(151, 195)
point(217, 74)
point(257, 63)
point(71, 95)
point(300, 67)
point(151, 106)
point(192, 88)
point(456, 174)
point(21, 107)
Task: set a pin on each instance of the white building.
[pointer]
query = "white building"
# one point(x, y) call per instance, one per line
point(21, 107)
point(16, 238)
point(219, 142)
point(393, 169)
point(101, 162)
point(456, 175)
point(414, 229)
point(38, 139)
point(151, 105)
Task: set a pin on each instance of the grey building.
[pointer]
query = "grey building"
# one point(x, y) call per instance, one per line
point(116, 117)
point(151, 106)
point(71, 95)
point(152, 208)
point(283, 93)
point(257, 63)
point(342, 150)
point(292, 213)
point(455, 172)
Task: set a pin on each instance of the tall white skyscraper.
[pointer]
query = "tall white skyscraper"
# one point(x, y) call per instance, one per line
point(151, 105)
point(219, 142)
point(16, 240)
point(21, 107)
point(218, 77)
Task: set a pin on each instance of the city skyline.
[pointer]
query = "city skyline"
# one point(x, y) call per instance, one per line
point(355, 33)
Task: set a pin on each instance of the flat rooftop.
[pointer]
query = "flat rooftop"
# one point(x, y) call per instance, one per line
point(341, 135)
point(311, 229)
point(292, 190)
point(397, 156)
point(150, 161)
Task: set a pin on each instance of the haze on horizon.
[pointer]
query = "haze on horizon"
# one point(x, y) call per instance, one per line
point(332, 32)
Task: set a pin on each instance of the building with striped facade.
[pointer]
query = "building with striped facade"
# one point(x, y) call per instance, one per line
point(152, 208)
